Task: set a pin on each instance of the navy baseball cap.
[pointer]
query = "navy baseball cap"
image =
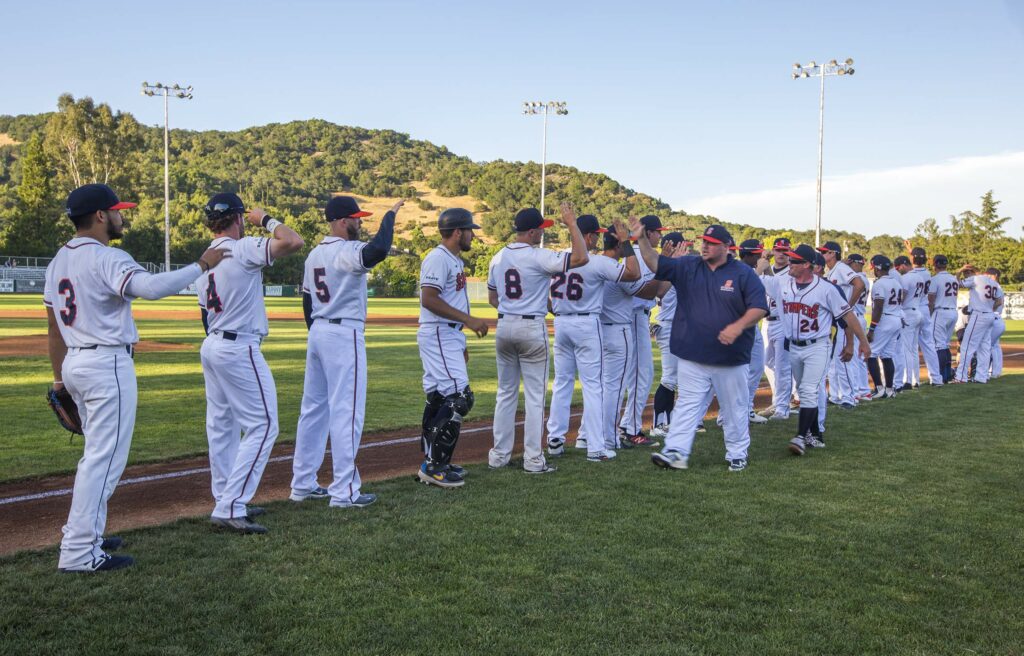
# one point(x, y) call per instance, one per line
point(674, 237)
point(717, 234)
point(588, 223)
point(855, 257)
point(529, 218)
point(782, 244)
point(901, 260)
point(830, 247)
point(803, 254)
point(819, 260)
point(941, 260)
point(917, 251)
point(222, 204)
point(880, 262)
point(751, 246)
point(93, 198)
point(344, 207)
point(651, 222)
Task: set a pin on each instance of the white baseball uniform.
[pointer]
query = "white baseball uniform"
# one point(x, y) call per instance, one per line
point(576, 299)
point(886, 340)
point(945, 286)
point(925, 340)
point(521, 276)
point(985, 294)
point(641, 374)
point(861, 386)
point(913, 292)
point(998, 328)
point(776, 358)
point(334, 388)
point(241, 397)
point(619, 351)
point(90, 288)
point(842, 376)
point(441, 341)
point(669, 362)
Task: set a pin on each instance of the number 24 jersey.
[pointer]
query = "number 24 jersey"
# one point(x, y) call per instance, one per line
point(808, 312)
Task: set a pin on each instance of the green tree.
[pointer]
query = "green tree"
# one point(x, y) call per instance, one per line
point(36, 226)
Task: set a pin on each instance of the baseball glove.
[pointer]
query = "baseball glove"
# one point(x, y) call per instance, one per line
point(64, 407)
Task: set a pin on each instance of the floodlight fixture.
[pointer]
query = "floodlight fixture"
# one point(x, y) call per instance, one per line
point(558, 108)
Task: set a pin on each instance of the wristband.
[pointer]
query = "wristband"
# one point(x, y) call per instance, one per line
point(271, 224)
point(627, 249)
point(201, 262)
point(58, 382)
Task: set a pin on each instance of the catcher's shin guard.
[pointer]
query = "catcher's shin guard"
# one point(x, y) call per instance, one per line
point(443, 434)
point(664, 400)
point(430, 410)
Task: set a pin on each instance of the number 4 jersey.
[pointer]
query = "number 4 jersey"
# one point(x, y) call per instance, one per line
point(335, 279)
point(581, 290)
point(232, 293)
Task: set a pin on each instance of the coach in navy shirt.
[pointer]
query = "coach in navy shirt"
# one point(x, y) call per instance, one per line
point(720, 301)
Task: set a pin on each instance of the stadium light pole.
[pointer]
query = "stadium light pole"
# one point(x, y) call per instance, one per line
point(185, 93)
point(532, 108)
point(813, 69)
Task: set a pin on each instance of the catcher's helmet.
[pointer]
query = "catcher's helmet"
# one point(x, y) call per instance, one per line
point(223, 204)
point(456, 217)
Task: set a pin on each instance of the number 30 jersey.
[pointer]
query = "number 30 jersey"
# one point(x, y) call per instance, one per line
point(335, 279)
point(808, 312)
point(232, 293)
point(521, 274)
point(581, 290)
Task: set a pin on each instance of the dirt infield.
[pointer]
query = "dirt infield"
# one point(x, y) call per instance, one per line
point(30, 345)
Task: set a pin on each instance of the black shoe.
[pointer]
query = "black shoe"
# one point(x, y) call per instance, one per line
point(254, 511)
point(105, 563)
point(113, 543)
point(455, 469)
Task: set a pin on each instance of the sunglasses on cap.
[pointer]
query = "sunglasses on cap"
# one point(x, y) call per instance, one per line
point(224, 208)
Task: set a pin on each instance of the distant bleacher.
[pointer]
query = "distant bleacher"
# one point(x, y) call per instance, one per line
point(25, 275)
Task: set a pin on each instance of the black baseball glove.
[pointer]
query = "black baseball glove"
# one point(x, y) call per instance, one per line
point(64, 407)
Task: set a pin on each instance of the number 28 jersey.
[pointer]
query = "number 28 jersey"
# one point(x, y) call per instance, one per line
point(808, 312)
point(335, 279)
point(581, 290)
point(232, 292)
point(521, 274)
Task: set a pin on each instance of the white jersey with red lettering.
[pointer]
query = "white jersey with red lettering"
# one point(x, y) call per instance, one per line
point(445, 272)
point(232, 294)
point(521, 274)
point(87, 287)
point(808, 312)
point(581, 290)
point(984, 293)
point(335, 279)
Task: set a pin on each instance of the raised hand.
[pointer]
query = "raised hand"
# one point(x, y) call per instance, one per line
point(635, 227)
point(397, 206)
point(621, 231)
point(255, 216)
point(568, 213)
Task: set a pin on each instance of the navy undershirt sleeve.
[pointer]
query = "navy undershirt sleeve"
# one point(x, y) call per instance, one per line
point(378, 248)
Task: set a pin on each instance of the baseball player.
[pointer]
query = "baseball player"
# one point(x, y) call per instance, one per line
point(713, 338)
point(809, 306)
point(842, 375)
point(751, 253)
point(444, 311)
point(776, 357)
point(641, 374)
point(913, 292)
point(986, 300)
point(885, 327)
point(241, 396)
point(518, 281)
point(926, 329)
point(577, 298)
point(998, 328)
point(665, 395)
point(942, 295)
point(88, 293)
point(334, 389)
point(862, 391)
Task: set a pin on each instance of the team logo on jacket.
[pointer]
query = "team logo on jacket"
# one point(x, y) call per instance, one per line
point(460, 281)
point(727, 287)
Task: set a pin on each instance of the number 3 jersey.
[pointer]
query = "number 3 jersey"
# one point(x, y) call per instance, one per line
point(335, 279)
point(808, 312)
point(581, 290)
point(232, 293)
point(87, 287)
point(445, 272)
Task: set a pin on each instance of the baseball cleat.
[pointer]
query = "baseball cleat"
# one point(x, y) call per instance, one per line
point(669, 460)
point(600, 456)
point(456, 469)
point(242, 525)
point(756, 418)
point(443, 478)
point(796, 445)
point(701, 428)
point(581, 443)
point(316, 493)
point(777, 416)
point(847, 406)
point(548, 469)
point(718, 421)
point(113, 543)
point(814, 442)
point(737, 464)
point(254, 511)
point(556, 446)
point(105, 563)
point(660, 431)
point(640, 440)
point(361, 501)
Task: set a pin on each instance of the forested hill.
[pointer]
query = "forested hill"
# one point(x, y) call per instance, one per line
point(291, 169)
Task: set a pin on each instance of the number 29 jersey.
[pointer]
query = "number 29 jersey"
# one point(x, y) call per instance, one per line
point(581, 290)
point(335, 279)
point(521, 275)
point(232, 292)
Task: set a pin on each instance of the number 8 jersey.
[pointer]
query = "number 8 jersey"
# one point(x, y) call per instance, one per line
point(808, 312)
point(232, 293)
point(335, 279)
point(521, 274)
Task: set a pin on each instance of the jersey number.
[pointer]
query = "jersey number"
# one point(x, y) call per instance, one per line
point(951, 288)
point(322, 293)
point(513, 284)
point(895, 297)
point(989, 291)
point(807, 326)
point(70, 310)
point(213, 302)
point(573, 286)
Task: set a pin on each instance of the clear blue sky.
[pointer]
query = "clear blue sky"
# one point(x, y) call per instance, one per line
point(690, 102)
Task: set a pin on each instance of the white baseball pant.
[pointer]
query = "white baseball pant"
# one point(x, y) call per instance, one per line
point(442, 351)
point(977, 342)
point(998, 328)
point(778, 368)
point(241, 398)
point(730, 385)
point(102, 383)
point(809, 365)
point(333, 406)
point(640, 376)
point(521, 347)
point(912, 363)
point(862, 386)
point(578, 349)
point(755, 368)
point(926, 341)
point(617, 340)
point(842, 376)
point(943, 323)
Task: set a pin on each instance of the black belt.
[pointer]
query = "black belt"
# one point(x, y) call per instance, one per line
point(521, 316)
point(805, 342)
point(572, 314)
point(229, 335)
point(337, 322)
point(772, 318)
point(127, 349)
point(647, 311)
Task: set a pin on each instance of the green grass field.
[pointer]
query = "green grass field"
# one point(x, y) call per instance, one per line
point(902, 537)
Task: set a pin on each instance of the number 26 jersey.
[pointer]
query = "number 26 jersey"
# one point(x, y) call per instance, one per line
point(581, 290)
point(335, 279)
